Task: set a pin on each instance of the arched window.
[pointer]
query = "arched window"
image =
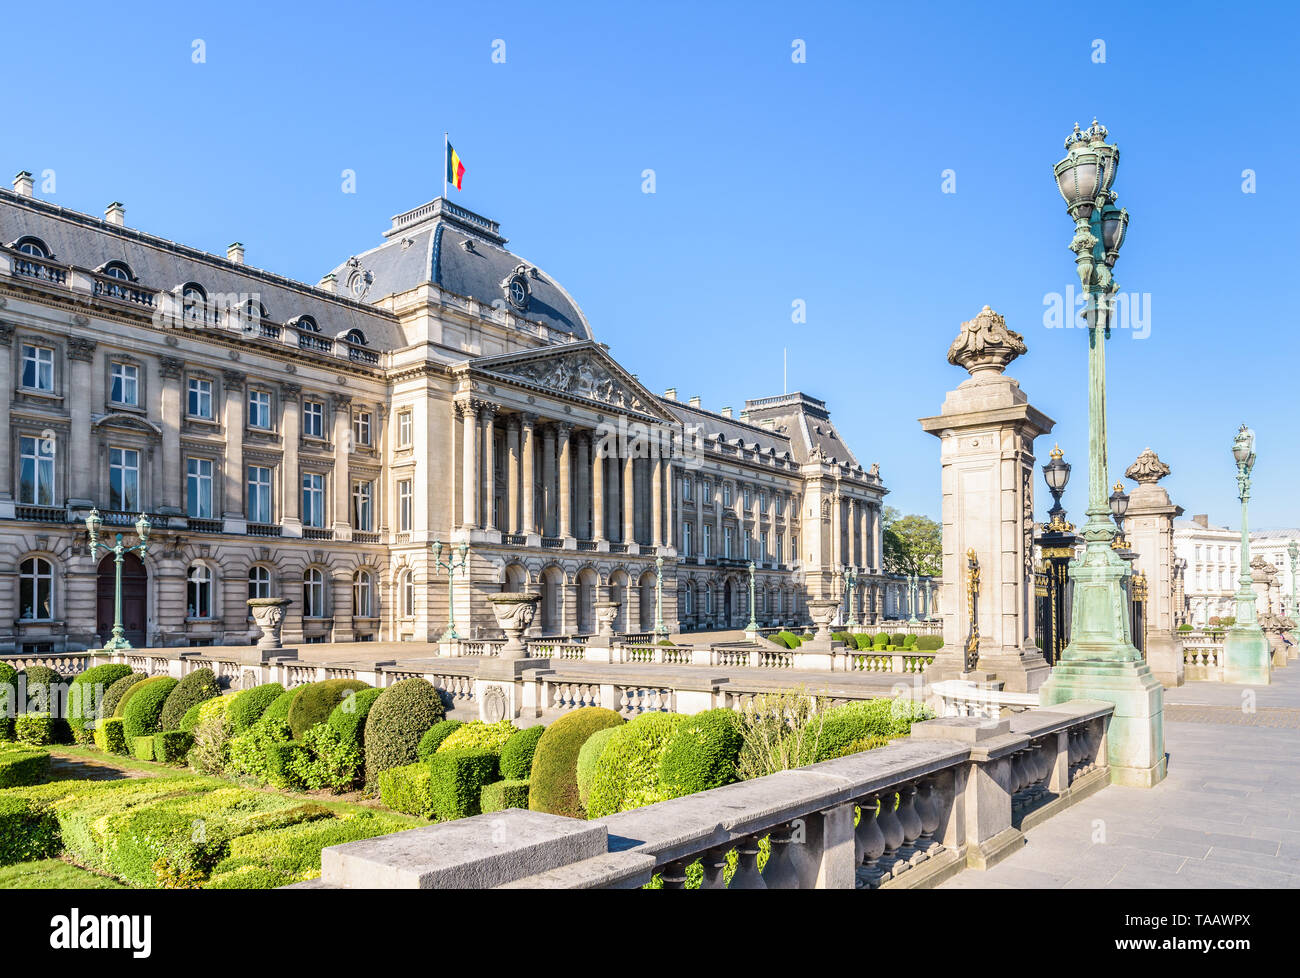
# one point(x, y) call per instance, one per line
point(36, 589)
point(408, 595)
point(194, 302)
point(307, 323)
point(118, 270)
point(362, 594)
point(33, 246)
point(198, 592)
point(259, 582)
point(356, 337)
point(313, 594)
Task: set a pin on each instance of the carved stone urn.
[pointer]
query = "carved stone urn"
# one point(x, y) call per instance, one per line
point(268, 614)
point(823, 613)
point(606, 615)
point(514, 611)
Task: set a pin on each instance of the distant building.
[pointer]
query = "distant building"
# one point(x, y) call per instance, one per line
point(1213, 571)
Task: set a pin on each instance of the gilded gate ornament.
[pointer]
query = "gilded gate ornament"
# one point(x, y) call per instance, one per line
point(972, 603)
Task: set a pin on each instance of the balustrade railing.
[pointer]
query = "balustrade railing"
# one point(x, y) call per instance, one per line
point(960, 698)
point(1203, 661)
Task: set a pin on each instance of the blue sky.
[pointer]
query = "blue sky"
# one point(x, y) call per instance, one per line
point(775, 182)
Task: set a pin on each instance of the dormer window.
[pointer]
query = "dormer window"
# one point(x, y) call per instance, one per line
point(34, 247)
point(308, 324)
point(356, 337)
point(118, 270)
point(194, 303)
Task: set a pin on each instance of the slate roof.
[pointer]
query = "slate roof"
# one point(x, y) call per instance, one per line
point(805, 421)
point(428, 245)
point(90, 242)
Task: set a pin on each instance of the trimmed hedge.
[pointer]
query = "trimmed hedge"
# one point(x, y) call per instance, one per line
point(109, 736)
point(405, 789)
point(929, 643)
point(349, 717)
point(8, 699)
point(896, 639)
point(702, 754)
point(554, 787)
point(198, 686)
point(171, 746)
point(282, 758)
point(627, 774)
point(397, 721)
point(114, 695)
point(500, 795)
point(587, 759)
point(142, 748)
point(456, 780)
point(517, 754)
point(23, 767)
point(86, 697)
point(27, 831)
point(909, 643)
point(247, 707)
point(42, 694)
point(434, 736)
point(316, 701)
point(191, 719)
point(144, 706)
point(842, 726)
point(477, 735)
point(278, 711)
point(327, 760)
point(35, 728)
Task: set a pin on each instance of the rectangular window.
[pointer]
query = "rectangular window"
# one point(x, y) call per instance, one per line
point(749, 499)
point(36, 475)
point(200, 399)
point(313, 499)
point(794, 549)
point(762, 502)
point(198, 488)
point(706, 551)
point(686, 489)
point(762, 546)
point(259, 494)
point(780, 547)
point(404, 429)
point(313, 419)
point(259, 409)
point(38, 368)
point(124, 479)
point(126, 384)
point(706, 492)
point(746, 538)
point(363, 513)
point(726, 542)
point(780, 505)
point(361, 428)
point(726, 494)
point(688, 532)
point(405, 499)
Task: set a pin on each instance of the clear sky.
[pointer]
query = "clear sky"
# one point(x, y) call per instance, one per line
point(776, 181)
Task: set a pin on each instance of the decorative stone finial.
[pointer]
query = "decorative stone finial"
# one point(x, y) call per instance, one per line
point(1148, 469)
point(985, 345)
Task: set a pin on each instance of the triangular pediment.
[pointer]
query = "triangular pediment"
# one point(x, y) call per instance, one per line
point(579, 370)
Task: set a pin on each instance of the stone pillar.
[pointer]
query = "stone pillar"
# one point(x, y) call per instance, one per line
point(290, 435)
point(613, 504)
point(512, 521)
point(169, 376)
point(564, 495)
point(597, 494)
point(550, 525)
point(232, 490)
point(656, 502)
point(6, 442)
point(582, 480)
point(528, 431)
point(81, 357)
point(488, 412)
point(986, 430)
point(629, 500)
point(342, 407)
point(1149, 526)
point(469, 463)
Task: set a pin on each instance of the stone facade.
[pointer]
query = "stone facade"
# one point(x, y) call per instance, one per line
point(1149, 528)
point(1213, 571)
point(312, 442)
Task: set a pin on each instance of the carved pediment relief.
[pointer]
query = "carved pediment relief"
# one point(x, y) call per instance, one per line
point(128, 422)
point(581, 375)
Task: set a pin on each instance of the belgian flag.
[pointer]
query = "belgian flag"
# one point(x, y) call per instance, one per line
point(455, 168)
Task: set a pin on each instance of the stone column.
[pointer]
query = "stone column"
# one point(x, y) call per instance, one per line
point(341, 404)
point(512, 521)
point(629, 501)
point(232, 492)
point(583, 471)
point(469, 463)
point(597, 495)
point(78, 387)
point(169, 374)
point(656, 502)
point(564, 495)
point(1149, 526)
point(528, 431)
point(488, 413)
point(550, 526)
point(6, 442)
point(613, 504)
point(986, 430)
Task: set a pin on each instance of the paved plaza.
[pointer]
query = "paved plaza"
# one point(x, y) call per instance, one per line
point(1228, 815)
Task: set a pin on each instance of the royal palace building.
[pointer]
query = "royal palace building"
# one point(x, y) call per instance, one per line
point(314, 441)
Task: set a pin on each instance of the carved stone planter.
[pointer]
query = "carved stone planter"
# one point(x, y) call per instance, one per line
point(268, 614)
point(606, 615)
point(514, 611)
point(823, 613)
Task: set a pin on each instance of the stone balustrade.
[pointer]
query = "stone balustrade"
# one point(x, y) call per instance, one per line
point(959, 698)
point(1202, 661)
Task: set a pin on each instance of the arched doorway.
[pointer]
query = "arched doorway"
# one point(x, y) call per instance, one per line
point(135, 599)
point(647, 602)
point(586, 601)
point(552, 600)
point(618, 591)
point(728, 603)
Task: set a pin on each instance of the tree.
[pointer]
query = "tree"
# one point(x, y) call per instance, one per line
point(912, 544)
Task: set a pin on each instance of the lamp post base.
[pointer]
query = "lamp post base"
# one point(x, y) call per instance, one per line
point(1247, 658)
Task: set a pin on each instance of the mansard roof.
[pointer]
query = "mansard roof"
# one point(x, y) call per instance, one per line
point(446, 245)
point(805, 421)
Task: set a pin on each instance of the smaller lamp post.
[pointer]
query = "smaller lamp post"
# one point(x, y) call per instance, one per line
point(752, 627)
point(1118, 507)
point(660, 628)
point(450, 565)
point(1247, 658)
point(118, 641)
point(913, 588)
point(850, 585)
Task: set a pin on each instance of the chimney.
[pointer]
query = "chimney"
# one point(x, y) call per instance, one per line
point(23, 185)
point(1202, 519)
point(670, 394)
point(329, 283)
point(726, 412)
point(235, 253)
point(115, 213)
point(695, 401)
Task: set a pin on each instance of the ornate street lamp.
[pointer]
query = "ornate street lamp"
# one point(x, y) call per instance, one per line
point(118, 641)
point(450, 565)
point(1246, 655)
point(1056, 545)
point(1118, 507)
point(913, 590)
point(752, 627)
point(660, 628)
point(850, 584)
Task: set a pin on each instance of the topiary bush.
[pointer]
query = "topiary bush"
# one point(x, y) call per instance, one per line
point(142, 748)
point(397, 721)
point(35, 728)
point(144, 705)
point(896, 639)
point(326, 760)
point(702, 754)
point(114, 695)
point(316, 701)
point(500, 795)
point(283, 759)
point(198, 686)
point(554, 781)
point(405, 789)
point(349, 717)
point(517, 754)
point(23, 767)
point(588, 757)
point(627, 773)
point(929, 643)
point(842, 726)
point(171, 746)
point(28, 831)
point(42, 691)
point(456, 780)
point(86, 695)
point(434, 736)
point(109, 736)
point(909, 643)
point(8, 699)
point(247, 707)
point(477, 735)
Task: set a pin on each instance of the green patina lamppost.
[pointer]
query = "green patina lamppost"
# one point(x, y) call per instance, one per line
point(752, 627)
point(450, 565)
point(660, 628)
point(118, 641)
point(913, 592)
point(850, 585)
point(1246, 655)
point(1101, 661)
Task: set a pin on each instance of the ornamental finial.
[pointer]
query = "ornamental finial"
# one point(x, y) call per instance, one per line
point(1148, 469)
point(985, 344)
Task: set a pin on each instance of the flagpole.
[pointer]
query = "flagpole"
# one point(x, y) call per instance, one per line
point(444, 164)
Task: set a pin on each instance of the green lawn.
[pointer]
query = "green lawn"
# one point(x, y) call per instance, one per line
point(53, 874)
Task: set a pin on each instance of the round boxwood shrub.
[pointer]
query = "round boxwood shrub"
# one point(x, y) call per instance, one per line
point(478, 735)
point(434, 736)
point(145, 706)
point(8, 699)
point(397, 721)
point(278, 711)
point(120, 709)
point(517, 754)
point(86, 696)
point(702, 754)
point(114, 695)
point(554, 782)
point(929, 643)
point(349, 717)
point(627, 774)
point(198, 686)
point(247, 708)
point(588, 757)
point(42, 690)
point(316, 701)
